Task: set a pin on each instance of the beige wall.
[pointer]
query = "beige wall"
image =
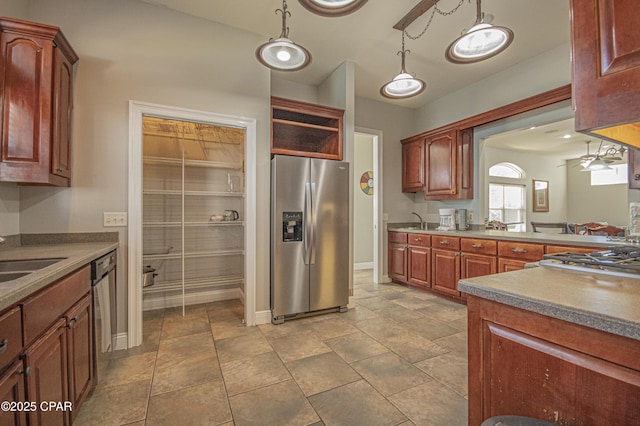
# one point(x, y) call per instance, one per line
point(362, 203)
point(127, 53)
point(586, 203)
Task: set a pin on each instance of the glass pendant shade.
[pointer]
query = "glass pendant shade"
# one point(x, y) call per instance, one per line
point(595, 165)
point(404, 85)
point(332, 7)
point(481, 42)
point(283, 55)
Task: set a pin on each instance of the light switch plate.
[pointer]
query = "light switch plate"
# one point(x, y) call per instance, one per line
point(115, 218)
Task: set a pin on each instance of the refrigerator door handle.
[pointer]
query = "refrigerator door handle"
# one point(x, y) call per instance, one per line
point(314, 224)
point(307, 224)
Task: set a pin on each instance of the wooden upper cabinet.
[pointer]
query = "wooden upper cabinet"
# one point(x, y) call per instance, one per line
point(36, 71)
point(413, 165)
point(306, 130)
point(606, 68)
point(449, 165)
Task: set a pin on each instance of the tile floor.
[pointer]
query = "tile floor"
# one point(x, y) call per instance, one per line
point(398, 358)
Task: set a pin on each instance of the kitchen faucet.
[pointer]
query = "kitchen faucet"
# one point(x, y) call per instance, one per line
point(423, 225)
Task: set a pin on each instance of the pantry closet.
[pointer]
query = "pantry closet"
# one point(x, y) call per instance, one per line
point(192, 212)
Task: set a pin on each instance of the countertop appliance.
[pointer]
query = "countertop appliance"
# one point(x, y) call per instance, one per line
point(447, 220)
point(103, 283)
point(621, 261)
point(309, 236)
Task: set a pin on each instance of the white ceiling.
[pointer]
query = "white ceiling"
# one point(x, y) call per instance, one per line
point(367, 38)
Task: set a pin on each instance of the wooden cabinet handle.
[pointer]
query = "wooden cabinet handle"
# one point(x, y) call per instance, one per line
point(445, 243)
point(58, 170)
point(477, 246)
point(3, 345)
point(519, 251)
point(25, 372)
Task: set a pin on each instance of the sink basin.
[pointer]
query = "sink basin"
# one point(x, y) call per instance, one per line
point(10, 276)
point(27, 265)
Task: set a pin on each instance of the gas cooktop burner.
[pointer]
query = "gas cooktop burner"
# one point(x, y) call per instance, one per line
point(626, 258)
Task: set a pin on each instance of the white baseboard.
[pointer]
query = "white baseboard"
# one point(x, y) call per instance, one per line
point(120, 341)
point(263, 317)
point(159, 302)
point(362, 265)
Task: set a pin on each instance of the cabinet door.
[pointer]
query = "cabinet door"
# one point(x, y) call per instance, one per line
point(476, 265)
point(440, 164)
point(398, 261)
point(419, 265)
point(606, 64)
point(47, 358)
point(79, 352)
point(62, 113)
point(506, 264)
point(413, 166)
point(12, 390)
point(445, 271)
point(26, 107)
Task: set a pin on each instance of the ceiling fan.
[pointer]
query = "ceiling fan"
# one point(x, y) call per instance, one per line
point(600, 160)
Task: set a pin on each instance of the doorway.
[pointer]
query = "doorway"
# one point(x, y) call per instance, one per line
point(137, 112)
point(368, 201)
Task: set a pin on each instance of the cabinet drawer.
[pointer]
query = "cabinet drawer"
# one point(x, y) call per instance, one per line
point(420, 240)
point(446, 243)
point(10, 335)
point(522, 251)
point(562, 249)
point(397, 237)
point(43, 308)
point(472, 245)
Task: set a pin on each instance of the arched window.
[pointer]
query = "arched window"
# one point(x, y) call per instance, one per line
point(507, 201)
point(507, 170)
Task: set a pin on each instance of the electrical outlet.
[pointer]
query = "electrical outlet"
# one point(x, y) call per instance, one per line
point(115, 218)
point(470, 217)
point(385, 216)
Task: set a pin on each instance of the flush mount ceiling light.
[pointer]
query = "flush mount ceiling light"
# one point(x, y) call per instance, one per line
point(404, 85)
point(283, 54)
point(332, 8)
point(481, 42)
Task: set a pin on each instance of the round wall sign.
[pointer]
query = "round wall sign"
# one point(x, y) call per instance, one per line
point(366, 183)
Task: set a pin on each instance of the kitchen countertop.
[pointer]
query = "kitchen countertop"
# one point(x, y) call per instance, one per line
point(603, 302)
point(76, 255)
point(533, 237)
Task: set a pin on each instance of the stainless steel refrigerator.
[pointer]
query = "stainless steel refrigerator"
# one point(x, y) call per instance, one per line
point(309, 236)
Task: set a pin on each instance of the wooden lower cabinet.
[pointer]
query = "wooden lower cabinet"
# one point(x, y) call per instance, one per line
point(445, 271)
point(526, 364)
point(398, 261)
point(477, 265)
point(12, 390)
point(47, 380)
point(79, 352)
point(506, 264)
point(419, 266)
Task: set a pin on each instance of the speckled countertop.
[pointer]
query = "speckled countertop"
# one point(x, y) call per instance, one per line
point(75, 256)
point(599, 301)
point(534, 237)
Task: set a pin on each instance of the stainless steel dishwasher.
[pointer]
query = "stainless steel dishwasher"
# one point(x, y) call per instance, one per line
point(103, 283)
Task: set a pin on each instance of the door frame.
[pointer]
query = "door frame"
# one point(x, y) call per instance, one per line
point(378, 225)
point(136, 111)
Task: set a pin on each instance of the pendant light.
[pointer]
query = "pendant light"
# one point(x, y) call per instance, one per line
point(481, 42)
point(283, 54)
point(404, 85)
point(332, 8)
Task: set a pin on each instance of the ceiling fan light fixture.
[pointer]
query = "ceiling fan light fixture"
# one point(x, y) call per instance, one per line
point(282, 54)
point(596, 165)
point(332, 8)
point(481, 42)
